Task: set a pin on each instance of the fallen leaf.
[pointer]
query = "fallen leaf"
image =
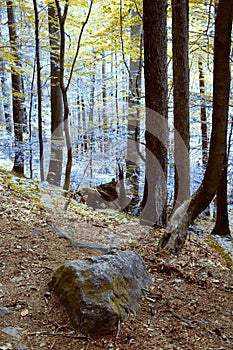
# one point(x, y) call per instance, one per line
point(24, 312)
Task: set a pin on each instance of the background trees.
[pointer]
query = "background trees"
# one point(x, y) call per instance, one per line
point(106, 96)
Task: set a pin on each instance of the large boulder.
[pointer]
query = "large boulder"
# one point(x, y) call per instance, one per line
point(101, 290)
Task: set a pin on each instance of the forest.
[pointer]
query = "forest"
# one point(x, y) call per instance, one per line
point(116, 123)
point(96, 93)
point(83, 90)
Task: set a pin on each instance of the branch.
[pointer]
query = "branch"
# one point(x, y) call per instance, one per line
point(78, 46)
point(122, 42)
point(137, 9)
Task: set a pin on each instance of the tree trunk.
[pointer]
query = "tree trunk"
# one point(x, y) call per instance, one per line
point(5, 103)
point(176, 232)
point(133, 140)
point(154, 201)
point(204, 136)
point(39, 89)
point(221, 227)
point(17, 90)
point(57, 125)
point(180, 48)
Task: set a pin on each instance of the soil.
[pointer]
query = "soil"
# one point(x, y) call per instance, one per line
point(189, 305)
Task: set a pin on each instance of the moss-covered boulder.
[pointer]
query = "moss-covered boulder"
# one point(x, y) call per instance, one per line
point(101, 290)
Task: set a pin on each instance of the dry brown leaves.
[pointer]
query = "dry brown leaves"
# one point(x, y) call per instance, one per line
point(189, 305)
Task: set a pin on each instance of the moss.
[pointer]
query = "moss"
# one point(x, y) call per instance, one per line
point(226, 255)
point(22, 186)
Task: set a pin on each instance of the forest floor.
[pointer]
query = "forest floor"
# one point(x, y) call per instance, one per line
point(189, 305)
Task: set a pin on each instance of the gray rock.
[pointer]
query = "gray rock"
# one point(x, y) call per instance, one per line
point(4, 311)
point(13, 332)
point(99, 291)
point(21, 346)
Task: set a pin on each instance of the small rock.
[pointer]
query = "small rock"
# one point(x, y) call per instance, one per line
point(6, 346)
point(21, 346)
point(13, 332)
point(5, 311)
point(17, 279)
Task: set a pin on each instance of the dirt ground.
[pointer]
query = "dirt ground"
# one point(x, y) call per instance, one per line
point(189, 305)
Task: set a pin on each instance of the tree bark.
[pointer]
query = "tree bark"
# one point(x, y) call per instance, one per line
point(57, 121)
point(221, 227)
point(180, 48)
point(17, 90)
point(133, 132)
point(154, 201)
point(204, 135)
point(176, 232)
point(39, 89)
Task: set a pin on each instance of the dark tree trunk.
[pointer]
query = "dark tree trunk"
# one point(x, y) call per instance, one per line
point(180, 48)
point(204, 135)
point(39, 90)
point(221, 227)
point(57, 121)
point(17, 90)
point(154, 201)
point(176, 232)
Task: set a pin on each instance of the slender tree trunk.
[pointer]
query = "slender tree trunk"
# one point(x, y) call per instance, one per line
point(5, 94)
point(57, 121)
point(62, 19)
point(104, 91)
point(204, 135)
point(176, 232)
point(39, 89)
point(155, 60)
point(180, 49)
point(17, 90)
point(132, 161)
point(64, 89)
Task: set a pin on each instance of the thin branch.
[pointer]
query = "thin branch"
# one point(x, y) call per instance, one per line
point(230, 138)
point(137, 9)
point(122, 41)
point(79, 43)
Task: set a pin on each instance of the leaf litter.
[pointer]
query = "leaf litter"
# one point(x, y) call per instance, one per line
point(189, 305)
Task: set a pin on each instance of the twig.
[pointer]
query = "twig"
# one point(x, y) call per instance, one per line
point(118, 331)
point(181, 318)
point(55, 334)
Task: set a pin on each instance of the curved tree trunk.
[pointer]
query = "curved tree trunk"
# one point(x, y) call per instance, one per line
point(176, 232)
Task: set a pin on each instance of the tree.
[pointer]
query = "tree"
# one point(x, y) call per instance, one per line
point(65, 87)
point(5, 106)
point(204, 135)
point(221, 227)
point(17, 91)
point(155, 61)
point(174, 237)
point(39, 89)
point(180, 48)
point(57, 122)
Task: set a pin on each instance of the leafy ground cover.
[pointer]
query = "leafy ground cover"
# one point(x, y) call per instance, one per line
point(189, 305)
